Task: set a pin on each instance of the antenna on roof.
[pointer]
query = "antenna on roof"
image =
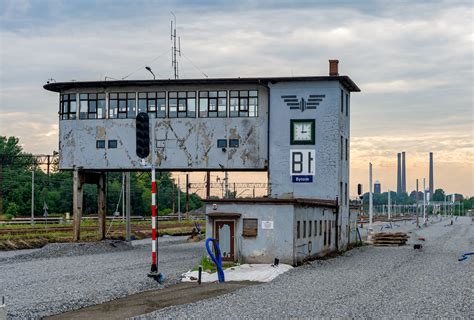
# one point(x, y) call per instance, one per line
point(174, 49)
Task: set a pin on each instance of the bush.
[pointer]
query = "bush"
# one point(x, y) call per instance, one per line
point(12, 209)
point(7, 216)
point(165, 212)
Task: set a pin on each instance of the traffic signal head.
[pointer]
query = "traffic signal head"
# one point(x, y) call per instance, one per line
point(143, 135)
point(359, 189)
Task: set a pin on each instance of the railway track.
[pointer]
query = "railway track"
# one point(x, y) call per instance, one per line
point(27, 230)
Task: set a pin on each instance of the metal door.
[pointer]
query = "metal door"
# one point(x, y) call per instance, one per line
point(225, 236)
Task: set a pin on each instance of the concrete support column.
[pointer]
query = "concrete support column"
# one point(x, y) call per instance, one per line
point(77, 197)
point(128, 228)
point(101, 196)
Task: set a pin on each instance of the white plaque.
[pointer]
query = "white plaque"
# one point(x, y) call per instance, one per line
point(267, 224)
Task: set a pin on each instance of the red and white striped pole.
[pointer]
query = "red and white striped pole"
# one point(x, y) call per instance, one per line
point(154, 242)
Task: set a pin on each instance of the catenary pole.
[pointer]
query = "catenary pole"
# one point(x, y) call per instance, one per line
point(389, 205)
point(369, 236)
point(33, 194)
point(424, 201)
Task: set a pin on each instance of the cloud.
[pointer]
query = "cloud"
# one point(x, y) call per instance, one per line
point(412, 61)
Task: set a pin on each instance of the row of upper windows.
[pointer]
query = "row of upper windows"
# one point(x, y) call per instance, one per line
point(171, 104)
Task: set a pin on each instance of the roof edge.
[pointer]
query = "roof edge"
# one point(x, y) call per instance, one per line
point(346, 81)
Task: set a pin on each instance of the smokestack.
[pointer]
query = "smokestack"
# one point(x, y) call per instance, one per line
point(404, 174)
point(399, 173)
point(431, 175)
point(333, 67)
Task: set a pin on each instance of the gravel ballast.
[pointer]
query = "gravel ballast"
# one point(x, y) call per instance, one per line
point(367, 282)
point(62, 277)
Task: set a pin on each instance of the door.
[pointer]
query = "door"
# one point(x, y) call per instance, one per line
point(225, 237)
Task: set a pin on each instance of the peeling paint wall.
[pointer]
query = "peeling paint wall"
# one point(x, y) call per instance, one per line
point(180, 143)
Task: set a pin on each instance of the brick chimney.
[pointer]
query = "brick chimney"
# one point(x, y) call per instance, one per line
point(333, 67)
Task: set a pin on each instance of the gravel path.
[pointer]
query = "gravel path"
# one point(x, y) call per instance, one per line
point(62, 277)
point(368, 282)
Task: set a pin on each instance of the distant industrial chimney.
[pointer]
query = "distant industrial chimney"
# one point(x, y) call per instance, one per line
point(399, 173)
point(431, 186)
point(333, 67)
point(404, 174)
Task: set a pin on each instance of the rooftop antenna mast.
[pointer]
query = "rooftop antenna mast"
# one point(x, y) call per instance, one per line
point(174, 49)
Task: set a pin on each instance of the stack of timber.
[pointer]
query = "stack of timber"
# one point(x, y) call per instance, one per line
point(386, 239)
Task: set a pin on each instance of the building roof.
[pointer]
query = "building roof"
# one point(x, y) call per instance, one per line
point(61, 86)
point(295, 201)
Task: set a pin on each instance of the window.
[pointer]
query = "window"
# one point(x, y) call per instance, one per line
point(304, 229)
point(122, 105)
point(329, 233)
point(243, 103)
point(250, 227)
point(100, 144)
point(112, 144)
point(325, 231)
point(342, 101)
point(347, 148)
point(345, 193)
point(92, 105)
point(182, 104)
point(310, 228)
point(298, 235)
point(221, 143)
point(212, 104)
point(347, 104)
point(68, 106)
point(320, 227)
point(233, 143)
point(315, 228)
point(342, 147)
point(340, 193)
point(153, 103)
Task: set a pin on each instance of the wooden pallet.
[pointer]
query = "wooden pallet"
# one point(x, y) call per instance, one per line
point(387, 239)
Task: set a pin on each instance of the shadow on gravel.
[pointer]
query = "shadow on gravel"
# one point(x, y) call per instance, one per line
point(146, 302)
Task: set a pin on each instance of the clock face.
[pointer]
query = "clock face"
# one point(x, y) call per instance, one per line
point(302, 131)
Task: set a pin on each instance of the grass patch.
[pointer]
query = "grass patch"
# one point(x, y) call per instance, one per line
point(209, 266)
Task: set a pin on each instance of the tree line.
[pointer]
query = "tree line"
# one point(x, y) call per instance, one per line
point(55, 189)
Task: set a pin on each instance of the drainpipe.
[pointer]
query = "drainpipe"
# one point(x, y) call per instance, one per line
point(268, 133)
point(336, 233)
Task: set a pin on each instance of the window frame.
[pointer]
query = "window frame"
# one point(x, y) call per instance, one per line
point(67, 115)
point(243, 111)
point(342, 101)
point(97, 142)
point(109, 146)
point(212, 95)
point(129, 96)
point(180, 99)
point(90, 99)
point(159, 96)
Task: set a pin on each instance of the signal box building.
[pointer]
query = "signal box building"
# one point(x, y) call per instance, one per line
point(297, 129)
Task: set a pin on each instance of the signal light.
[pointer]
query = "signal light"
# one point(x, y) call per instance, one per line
point(143, 135)
point(359, 189)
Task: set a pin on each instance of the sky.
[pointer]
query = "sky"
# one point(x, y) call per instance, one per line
point(413, 61)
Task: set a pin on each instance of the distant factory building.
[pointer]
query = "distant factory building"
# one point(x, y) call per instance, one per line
point(401, 173)
point(377, 187)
